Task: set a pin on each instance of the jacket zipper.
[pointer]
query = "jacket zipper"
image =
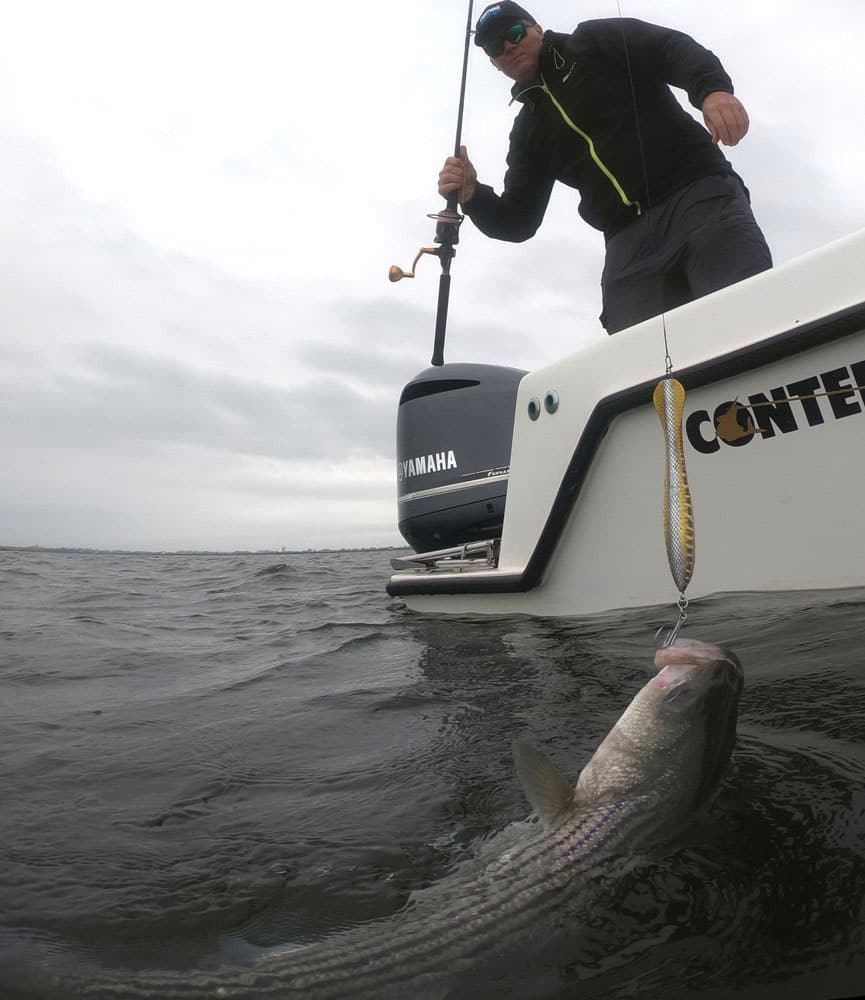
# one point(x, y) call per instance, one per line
point(599, 163)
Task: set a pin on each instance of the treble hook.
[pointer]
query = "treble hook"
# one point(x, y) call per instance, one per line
point(667, 634)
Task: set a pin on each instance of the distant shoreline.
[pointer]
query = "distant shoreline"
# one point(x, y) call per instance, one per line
point(80, 550)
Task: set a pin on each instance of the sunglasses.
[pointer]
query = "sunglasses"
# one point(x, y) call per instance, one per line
point(496, 46)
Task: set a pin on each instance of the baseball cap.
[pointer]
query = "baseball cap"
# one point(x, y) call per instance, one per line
point(496, 17)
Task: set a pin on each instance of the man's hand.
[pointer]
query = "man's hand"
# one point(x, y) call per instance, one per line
point(459, 175)
point(725, 117)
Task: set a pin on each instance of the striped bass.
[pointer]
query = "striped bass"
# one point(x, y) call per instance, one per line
point(662, 760)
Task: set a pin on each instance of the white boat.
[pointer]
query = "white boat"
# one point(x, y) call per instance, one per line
point(559, 512)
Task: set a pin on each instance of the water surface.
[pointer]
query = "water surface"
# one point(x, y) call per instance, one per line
point(206, 754)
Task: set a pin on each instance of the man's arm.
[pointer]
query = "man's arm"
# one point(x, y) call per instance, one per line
point(651, 52)
point(658, 53)
point(516, 214)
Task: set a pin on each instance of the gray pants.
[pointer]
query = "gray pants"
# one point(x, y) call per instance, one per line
point(700, 239)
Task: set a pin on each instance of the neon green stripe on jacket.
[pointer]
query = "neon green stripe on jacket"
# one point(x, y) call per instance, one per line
point(605, 170)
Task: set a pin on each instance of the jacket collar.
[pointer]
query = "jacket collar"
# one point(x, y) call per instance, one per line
point(550, 64)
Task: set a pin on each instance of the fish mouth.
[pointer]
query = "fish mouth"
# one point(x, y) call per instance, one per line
point(677, 661)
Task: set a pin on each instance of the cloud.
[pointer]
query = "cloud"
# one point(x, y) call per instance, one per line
point(117, 400)
point(187, 497)
point(201, 347)
point(135, 379)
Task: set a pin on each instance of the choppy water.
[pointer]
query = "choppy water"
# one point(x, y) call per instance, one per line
point(203, 753)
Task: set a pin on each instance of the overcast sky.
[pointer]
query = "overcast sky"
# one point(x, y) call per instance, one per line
point(199, 203)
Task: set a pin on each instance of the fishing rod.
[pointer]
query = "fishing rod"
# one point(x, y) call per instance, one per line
point(447, 226)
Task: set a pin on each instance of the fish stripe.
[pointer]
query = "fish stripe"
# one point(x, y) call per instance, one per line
point(474, 915)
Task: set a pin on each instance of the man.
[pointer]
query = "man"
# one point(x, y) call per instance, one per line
point(598, 115)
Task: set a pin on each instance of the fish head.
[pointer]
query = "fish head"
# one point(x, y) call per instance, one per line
point(675, 738)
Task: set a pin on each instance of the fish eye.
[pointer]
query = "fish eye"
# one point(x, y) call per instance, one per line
point(679, 695)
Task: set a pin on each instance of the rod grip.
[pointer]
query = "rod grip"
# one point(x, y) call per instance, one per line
point(438, 356)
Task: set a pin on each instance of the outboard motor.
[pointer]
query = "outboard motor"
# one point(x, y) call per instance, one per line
point(453, 446)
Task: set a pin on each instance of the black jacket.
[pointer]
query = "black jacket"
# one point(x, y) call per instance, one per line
point(577, 125)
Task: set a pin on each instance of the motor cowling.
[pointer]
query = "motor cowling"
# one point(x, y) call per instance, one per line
point(453, 442)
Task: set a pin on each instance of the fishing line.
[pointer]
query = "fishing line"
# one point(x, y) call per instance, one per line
point(668, 362)
point(669, 401)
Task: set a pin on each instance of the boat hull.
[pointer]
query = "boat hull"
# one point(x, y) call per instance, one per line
point(776, 499)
